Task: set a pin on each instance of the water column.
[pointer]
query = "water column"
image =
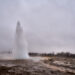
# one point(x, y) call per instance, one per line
point(21, 46)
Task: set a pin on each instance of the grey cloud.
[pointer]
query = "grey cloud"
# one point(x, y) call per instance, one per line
point(47, 23)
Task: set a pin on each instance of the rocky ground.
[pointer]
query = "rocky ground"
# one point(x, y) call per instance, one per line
point(28, 67)
point(66, 65)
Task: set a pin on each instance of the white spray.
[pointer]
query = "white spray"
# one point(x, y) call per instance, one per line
point(21, 46)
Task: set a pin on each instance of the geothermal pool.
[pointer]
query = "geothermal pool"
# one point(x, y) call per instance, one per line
point(37, 58)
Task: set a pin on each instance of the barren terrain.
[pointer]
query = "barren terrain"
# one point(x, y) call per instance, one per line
point(30, 67)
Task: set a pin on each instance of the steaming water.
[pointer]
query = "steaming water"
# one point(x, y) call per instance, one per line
point(36, 59)
point(21, 51)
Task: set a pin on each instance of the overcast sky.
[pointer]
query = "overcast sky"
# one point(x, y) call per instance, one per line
point(49, 25)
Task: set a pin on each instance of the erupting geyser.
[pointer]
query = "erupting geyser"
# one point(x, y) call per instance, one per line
point(20, 43)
